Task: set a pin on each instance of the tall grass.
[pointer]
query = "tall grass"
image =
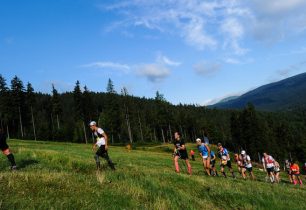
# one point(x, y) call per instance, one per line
point(63, 176)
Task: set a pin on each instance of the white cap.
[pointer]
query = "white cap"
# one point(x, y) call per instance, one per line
point(243, 152)
point(198, 140)
point(92, 123)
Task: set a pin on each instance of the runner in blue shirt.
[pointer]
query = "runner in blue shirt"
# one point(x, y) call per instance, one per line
point(205, 155)
point(225, 160)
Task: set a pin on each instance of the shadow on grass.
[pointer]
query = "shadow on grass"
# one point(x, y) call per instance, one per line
point(25, 163)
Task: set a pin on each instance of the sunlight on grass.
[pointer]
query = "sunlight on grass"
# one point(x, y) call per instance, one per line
point(63, 176)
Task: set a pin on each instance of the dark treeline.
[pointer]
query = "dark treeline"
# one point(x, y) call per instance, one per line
point(26, 114)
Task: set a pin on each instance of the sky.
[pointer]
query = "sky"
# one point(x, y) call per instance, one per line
point(191, 51)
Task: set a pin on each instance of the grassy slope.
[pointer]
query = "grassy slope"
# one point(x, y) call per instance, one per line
point(63, 176)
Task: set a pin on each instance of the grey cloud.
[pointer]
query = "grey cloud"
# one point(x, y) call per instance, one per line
point(205, 68)
point(153, 72)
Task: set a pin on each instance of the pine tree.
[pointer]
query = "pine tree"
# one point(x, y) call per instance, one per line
point(110, 87)
point(17, 100)
point(30, 102)
point(77, 102)
point(56, 107)
point(88, 106)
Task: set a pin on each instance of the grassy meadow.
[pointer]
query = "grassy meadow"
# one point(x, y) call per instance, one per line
point(63, 176)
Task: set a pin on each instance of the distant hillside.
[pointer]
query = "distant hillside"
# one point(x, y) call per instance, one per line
point(286, 94)
point(227, 99)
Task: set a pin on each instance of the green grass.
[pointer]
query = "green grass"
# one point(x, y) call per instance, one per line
point(63, 176)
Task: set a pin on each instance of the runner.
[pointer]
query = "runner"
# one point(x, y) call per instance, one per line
point(287, 167)
point(192, 155)
point(101, 138)
point(213, 170)
point(205, 155)
point(225, 160)
point(6, 151)
point(268, 164)
point(238, 161)
point(276, 171)
point(180, 152)
point(247, 165)
point(295, 172)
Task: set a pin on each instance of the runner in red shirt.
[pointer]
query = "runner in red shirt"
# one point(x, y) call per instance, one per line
point(295, 172)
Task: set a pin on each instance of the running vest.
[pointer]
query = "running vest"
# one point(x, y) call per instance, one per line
point(247, 161)
point(203, 150)
point(269, 161)
point(99, 136)
point(223, 154)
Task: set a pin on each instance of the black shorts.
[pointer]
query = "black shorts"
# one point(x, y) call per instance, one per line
point(101, 151)
point(295, 174)
point(228, 164)
point(212, 163)
point(269, 170)
point(182, 155)
point(249, 169)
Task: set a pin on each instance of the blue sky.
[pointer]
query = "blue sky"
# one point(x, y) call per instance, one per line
point(192, 51)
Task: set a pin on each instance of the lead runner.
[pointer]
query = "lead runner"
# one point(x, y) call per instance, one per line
point(101, 138)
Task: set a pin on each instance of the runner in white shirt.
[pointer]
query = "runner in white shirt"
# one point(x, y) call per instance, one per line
point(101, 142)
point(268, 164)
point(247, 165)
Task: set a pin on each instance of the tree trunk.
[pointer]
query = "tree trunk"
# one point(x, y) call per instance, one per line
point(85, 136)
point(181, 130)
point(52, 122)
point(128, 124)
point(33, 123)
point(163, 135)
point(140, 127)
point(155, 135)
point(8, 132)
point(58, 123)
point(170, 132)
point(20, 120)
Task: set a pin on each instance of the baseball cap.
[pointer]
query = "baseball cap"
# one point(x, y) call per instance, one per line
point(198, 140)
point(243, 152)
point(92, 123)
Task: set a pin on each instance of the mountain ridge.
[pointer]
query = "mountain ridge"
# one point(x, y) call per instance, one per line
point(285, 94)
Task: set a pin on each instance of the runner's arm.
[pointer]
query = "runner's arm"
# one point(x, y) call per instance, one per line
point(94, 146)
point(182, 147)
point(106, 139)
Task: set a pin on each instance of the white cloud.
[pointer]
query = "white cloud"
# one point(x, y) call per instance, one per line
point(205, 68)
point(153, 72)
point(232, 28)
point(274, 20)
point(166, 61)
point(190, 19)
point(232, 61)
point(211, 24)
point(107, 65)
point(277, 7)
point(213, 101)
